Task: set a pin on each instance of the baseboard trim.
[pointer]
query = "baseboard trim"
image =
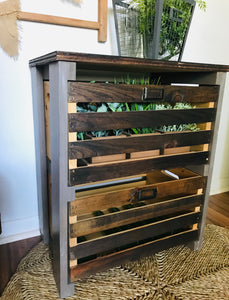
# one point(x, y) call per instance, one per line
point(19, 236)
point(220, 186)
point(19, 229)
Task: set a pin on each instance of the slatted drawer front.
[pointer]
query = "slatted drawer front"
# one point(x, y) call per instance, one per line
point(147, 206)
point(94, 159)
point(108, 224)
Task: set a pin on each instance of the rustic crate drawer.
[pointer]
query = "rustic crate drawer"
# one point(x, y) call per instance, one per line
point(157, 184)
point(119, 218)
point(123, 155)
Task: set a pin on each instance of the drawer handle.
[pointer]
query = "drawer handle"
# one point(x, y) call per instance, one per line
point(147, 194)
point(150, 94)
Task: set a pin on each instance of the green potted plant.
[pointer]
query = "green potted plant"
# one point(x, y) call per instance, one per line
point(161, 25)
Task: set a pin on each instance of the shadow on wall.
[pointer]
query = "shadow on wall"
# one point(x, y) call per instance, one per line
point(4, 203)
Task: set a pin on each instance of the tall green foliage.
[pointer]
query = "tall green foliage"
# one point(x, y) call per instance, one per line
point(173, 28)
point(173, 32)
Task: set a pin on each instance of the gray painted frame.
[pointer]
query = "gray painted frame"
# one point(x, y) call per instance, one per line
point(40, 151)
point(59, 74)
point(208, 170)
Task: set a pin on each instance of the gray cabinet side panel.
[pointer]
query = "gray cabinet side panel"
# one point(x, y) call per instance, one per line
point(59, 74)
point(220, 79)
point(40, 151)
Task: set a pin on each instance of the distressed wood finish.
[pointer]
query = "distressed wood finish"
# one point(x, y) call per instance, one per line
point(105, 92)
point(122, 197)
point(101, 263)
point(138, 119)
point(133, 215)
point(134, 235)
point(131, 167)
point(97, 147)
point(109, 62)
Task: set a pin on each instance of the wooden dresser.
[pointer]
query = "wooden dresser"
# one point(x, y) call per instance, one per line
point(112, 184)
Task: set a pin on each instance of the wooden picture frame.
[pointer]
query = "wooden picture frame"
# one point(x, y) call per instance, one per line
point(100, 25)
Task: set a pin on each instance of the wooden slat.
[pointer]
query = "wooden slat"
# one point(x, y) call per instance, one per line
point(138, 119)
point(103, 92)
point(133, 235)
point(134, 253)
point(119, 198)
point(135, 143)
point(134, 215)
point(92, 61)
point(132, 167)
point(102, 20)
point(72, 137)
point(49, 19)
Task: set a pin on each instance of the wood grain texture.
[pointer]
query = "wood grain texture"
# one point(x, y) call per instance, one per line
point(135, 143)
point(138, 119)
point(132, 167)
point(126, 237)
point(56, 20)
point(10, 254)
point(119, 198)
point(93, 61)
point(134, 253)
point(134, 215)
point(102, 20)
point(108, 92)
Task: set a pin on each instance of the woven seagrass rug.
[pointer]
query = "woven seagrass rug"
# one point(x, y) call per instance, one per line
point(176, 273)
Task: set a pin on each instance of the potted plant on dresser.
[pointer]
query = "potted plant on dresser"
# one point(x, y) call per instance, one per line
point(153, 28)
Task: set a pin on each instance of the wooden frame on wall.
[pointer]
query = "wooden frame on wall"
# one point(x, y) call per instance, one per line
point(100, 25)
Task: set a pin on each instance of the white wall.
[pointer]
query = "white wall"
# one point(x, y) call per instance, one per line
point(18, 201)
point(208, 43)
point(18, 205)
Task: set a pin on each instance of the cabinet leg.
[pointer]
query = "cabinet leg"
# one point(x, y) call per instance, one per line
point(66, 290)
point(195, 245)
point(62, 193)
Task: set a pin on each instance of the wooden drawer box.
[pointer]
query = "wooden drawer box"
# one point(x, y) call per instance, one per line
point(106, 225)
point(82, 152)
point(105, 200)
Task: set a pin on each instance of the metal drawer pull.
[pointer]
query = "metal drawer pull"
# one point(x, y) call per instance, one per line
point(150, 94)
point(147, 194)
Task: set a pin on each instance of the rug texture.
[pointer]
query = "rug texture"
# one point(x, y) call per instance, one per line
point(176, 273)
